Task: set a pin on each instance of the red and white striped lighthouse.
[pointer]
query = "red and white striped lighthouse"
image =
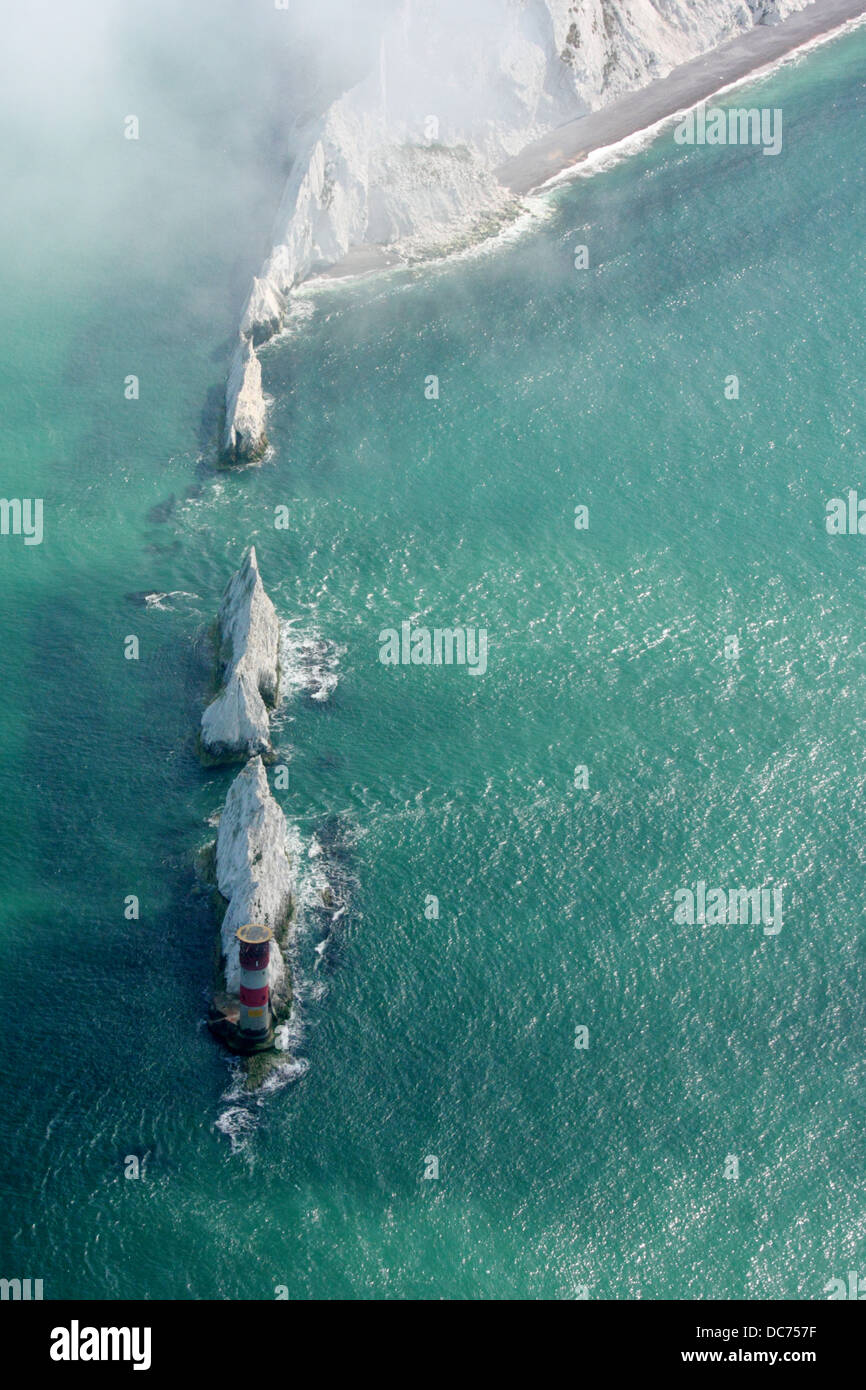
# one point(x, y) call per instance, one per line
point(254, 1024)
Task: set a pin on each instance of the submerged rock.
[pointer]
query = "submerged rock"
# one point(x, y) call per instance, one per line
point(163, 510)
point(245, 440)
point(255, 876)
point(236, 724)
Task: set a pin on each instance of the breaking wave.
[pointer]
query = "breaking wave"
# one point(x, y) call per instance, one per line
point(309, 662)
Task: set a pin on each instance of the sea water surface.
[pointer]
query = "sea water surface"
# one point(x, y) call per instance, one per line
point(453, 1037)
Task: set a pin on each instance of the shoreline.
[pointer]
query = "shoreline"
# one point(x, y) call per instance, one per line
point(584, 143)
point(567, 148)
point(563, 152)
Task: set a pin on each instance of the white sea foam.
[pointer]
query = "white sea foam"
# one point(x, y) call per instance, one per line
point(235, 1123)
point(156, 600)
point(299, 310)
point(309, 662)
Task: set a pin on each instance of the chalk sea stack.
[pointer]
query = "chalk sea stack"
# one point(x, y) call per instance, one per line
point(244, 440)
point(235, 726)
point(255, 879)
point(254, 875)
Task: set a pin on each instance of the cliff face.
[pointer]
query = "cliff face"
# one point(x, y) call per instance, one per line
point(613, 46)
point(236, 724)
point(406, 159)
point(254, 874)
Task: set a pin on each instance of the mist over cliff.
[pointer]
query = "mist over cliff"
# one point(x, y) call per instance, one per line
point(406, 159)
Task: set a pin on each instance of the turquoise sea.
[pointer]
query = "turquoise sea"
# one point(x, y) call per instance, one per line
point(560, 1169)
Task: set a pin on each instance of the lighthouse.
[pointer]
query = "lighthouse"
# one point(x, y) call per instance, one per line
point(255, 1030)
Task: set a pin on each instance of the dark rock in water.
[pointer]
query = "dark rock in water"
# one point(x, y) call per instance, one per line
point(194, 491)
point(328, 762)
point(336, 836)
point(163, 510)
point(171, 549)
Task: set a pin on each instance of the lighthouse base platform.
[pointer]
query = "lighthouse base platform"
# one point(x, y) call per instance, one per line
point(224, 1027)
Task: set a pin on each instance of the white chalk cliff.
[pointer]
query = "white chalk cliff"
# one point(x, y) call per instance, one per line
point(237, 724)
point(254, 873)
point(406, 160)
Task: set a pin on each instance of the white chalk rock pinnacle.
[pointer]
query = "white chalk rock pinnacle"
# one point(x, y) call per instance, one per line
point(236, 724)
point(245, 439)
point(254, 872)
